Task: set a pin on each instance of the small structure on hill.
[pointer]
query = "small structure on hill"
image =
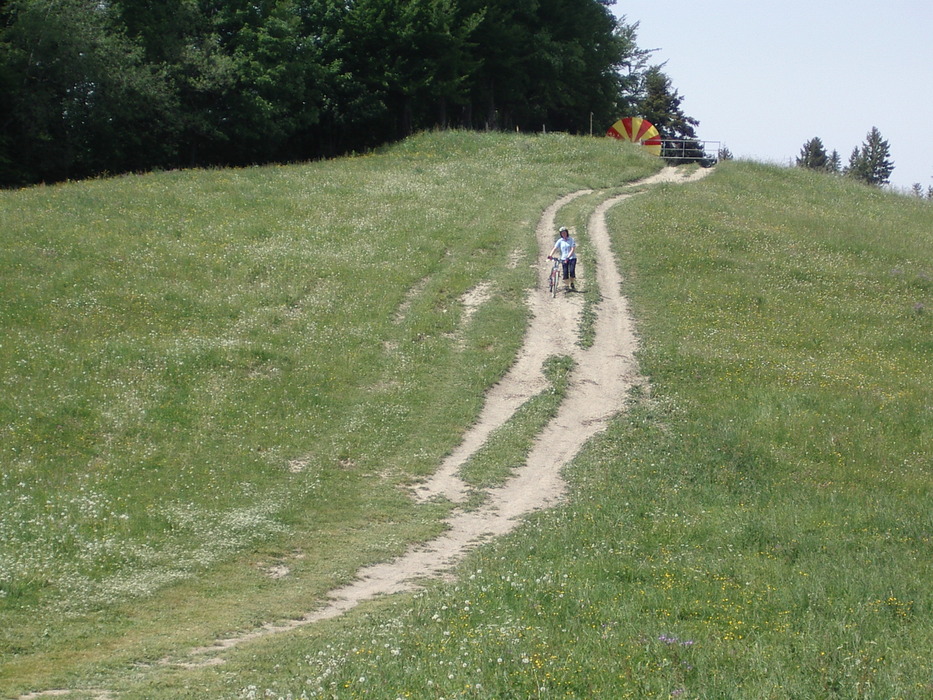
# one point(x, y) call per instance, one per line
point(637, 130)
point(675, 151)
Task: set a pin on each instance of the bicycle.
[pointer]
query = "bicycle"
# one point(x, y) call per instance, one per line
point(554, 278)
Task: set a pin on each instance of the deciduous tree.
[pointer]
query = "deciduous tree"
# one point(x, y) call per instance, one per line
point(90, 86)
point(78, 96)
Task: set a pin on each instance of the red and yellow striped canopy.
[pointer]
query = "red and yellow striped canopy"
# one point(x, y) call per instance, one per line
point(637, 130)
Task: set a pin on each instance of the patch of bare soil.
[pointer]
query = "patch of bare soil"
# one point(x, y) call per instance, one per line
point(95, 694)
point(603, 377)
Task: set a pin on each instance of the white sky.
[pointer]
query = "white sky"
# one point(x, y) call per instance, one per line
point(765, 77)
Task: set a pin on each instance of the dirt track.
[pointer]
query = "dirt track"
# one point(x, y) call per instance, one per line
point(603, 376)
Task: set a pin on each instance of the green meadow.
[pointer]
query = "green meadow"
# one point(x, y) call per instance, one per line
point(217, 387)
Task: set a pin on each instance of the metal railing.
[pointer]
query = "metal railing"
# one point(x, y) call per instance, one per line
point(706, 153)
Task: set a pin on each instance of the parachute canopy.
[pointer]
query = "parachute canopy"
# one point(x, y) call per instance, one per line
point(637, 130)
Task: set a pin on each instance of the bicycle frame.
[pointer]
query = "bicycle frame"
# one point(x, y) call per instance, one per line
point(554, 278)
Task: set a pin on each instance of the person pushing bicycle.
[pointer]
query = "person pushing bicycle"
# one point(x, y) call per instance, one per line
point(566, 248)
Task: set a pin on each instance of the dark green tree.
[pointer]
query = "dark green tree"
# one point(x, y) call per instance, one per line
point(90, 86)
point(251, 81)
point(632, 66)
point(341, 88)
point(78, 98)
point(411, 60)
point(871, 164)
point(276, 74)
point(576, 62)
point(660, 104)
point(503, 46)
point(161, 28)
point(813, 155)
point(553, 63)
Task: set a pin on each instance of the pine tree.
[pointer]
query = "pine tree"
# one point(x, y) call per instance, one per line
point(813, 155)
point(871, 163)
point(660, 105)
point(834, 163)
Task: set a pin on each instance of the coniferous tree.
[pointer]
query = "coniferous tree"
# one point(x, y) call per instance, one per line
point(834, 162)
point(632, 66)
point(871, 164)
point(855, 165)
point(661, 105)
point(813, 155)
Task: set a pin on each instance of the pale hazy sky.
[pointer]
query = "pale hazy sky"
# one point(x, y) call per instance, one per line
point(765, 77)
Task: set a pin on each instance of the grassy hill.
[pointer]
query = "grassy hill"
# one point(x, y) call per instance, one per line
point(210, 377)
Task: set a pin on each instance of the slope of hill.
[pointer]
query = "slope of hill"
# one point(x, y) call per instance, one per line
point(210, 376)
point(200, 437)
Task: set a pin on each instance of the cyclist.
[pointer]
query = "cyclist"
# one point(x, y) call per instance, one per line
point(566, 248)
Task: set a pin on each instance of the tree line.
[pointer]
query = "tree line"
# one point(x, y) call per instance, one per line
point(871, 163)
point(108, 86)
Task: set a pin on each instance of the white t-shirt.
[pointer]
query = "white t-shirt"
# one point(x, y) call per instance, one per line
point(564, 246)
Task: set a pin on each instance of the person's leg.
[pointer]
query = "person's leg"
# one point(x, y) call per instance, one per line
point(572, 272)
point(566, 265)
